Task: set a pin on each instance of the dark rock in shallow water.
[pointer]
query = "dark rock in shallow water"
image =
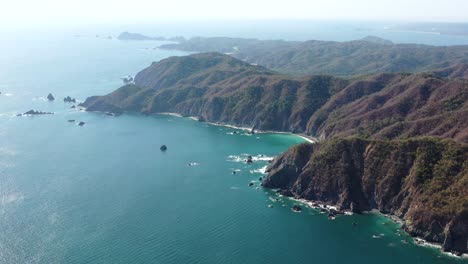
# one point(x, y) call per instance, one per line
point(68, 99)
point(163, 148)
point(249, 159)
point(297, 208)
point(50, 97)
point(81, 123)
point(251, 184)
point(73, 106)
point(71, 120)
point(33, 112)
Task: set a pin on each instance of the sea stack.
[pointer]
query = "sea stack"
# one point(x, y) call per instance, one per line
point(50, 97)
point(163, 148)
point(68, 99)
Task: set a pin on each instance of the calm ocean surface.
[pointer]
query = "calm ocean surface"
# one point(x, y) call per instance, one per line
point(104, 193)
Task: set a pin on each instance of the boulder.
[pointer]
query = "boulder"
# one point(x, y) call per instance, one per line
point(71, 120)
point(163, 148)
point(251, 184)
point(297, 208)
point(81, 123)
point(249, 159)
point(73, 106)
point(50, 97)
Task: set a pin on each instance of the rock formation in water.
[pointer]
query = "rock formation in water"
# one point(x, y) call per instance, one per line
point(50, 97)
point(423, 181)
point(34, 112)
point(68, 99)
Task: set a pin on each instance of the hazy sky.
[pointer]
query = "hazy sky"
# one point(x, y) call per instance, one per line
point(76, 12)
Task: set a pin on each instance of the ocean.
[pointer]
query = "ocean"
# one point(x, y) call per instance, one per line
point(105, 193)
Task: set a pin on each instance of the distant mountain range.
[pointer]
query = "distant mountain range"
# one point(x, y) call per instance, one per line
point(368, 55)
point(374, 149)
point(138, 36)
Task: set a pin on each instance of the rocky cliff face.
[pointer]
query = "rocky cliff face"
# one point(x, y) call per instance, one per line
point(422, 181)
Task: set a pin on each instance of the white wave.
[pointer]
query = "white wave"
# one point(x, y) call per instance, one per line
point(8, 94)
point(7, 151)
point(262, 170)
point(11, 198)
point(242, 157)
point(193, 164)
point(233, 188)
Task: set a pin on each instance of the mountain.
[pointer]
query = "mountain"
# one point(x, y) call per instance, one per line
point(377, 40)
point(220, 88)
point(367, 56)
point(390, 106)
point(422, 181)
point(136, 36)
point(456, 71)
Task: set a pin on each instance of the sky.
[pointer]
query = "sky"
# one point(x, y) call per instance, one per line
point(40, 13)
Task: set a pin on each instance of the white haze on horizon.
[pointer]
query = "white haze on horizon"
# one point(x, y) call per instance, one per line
point(64, 13)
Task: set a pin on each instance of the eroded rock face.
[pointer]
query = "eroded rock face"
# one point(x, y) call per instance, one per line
point(422, 181)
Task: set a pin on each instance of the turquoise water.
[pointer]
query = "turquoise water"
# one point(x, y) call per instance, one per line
point(104, 193)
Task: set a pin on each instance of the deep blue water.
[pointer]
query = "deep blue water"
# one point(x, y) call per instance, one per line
point(105, 193)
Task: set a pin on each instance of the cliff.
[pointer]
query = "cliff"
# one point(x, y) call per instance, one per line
point(423, 181)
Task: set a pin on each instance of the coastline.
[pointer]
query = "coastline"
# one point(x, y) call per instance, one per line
point(307, 138)
point(321, 205)
point(417, 240)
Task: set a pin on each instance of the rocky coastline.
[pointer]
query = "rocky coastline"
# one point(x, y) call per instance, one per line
point(397, 179)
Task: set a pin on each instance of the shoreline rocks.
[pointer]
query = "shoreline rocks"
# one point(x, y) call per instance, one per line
point(296, 208)
point(361, 175)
